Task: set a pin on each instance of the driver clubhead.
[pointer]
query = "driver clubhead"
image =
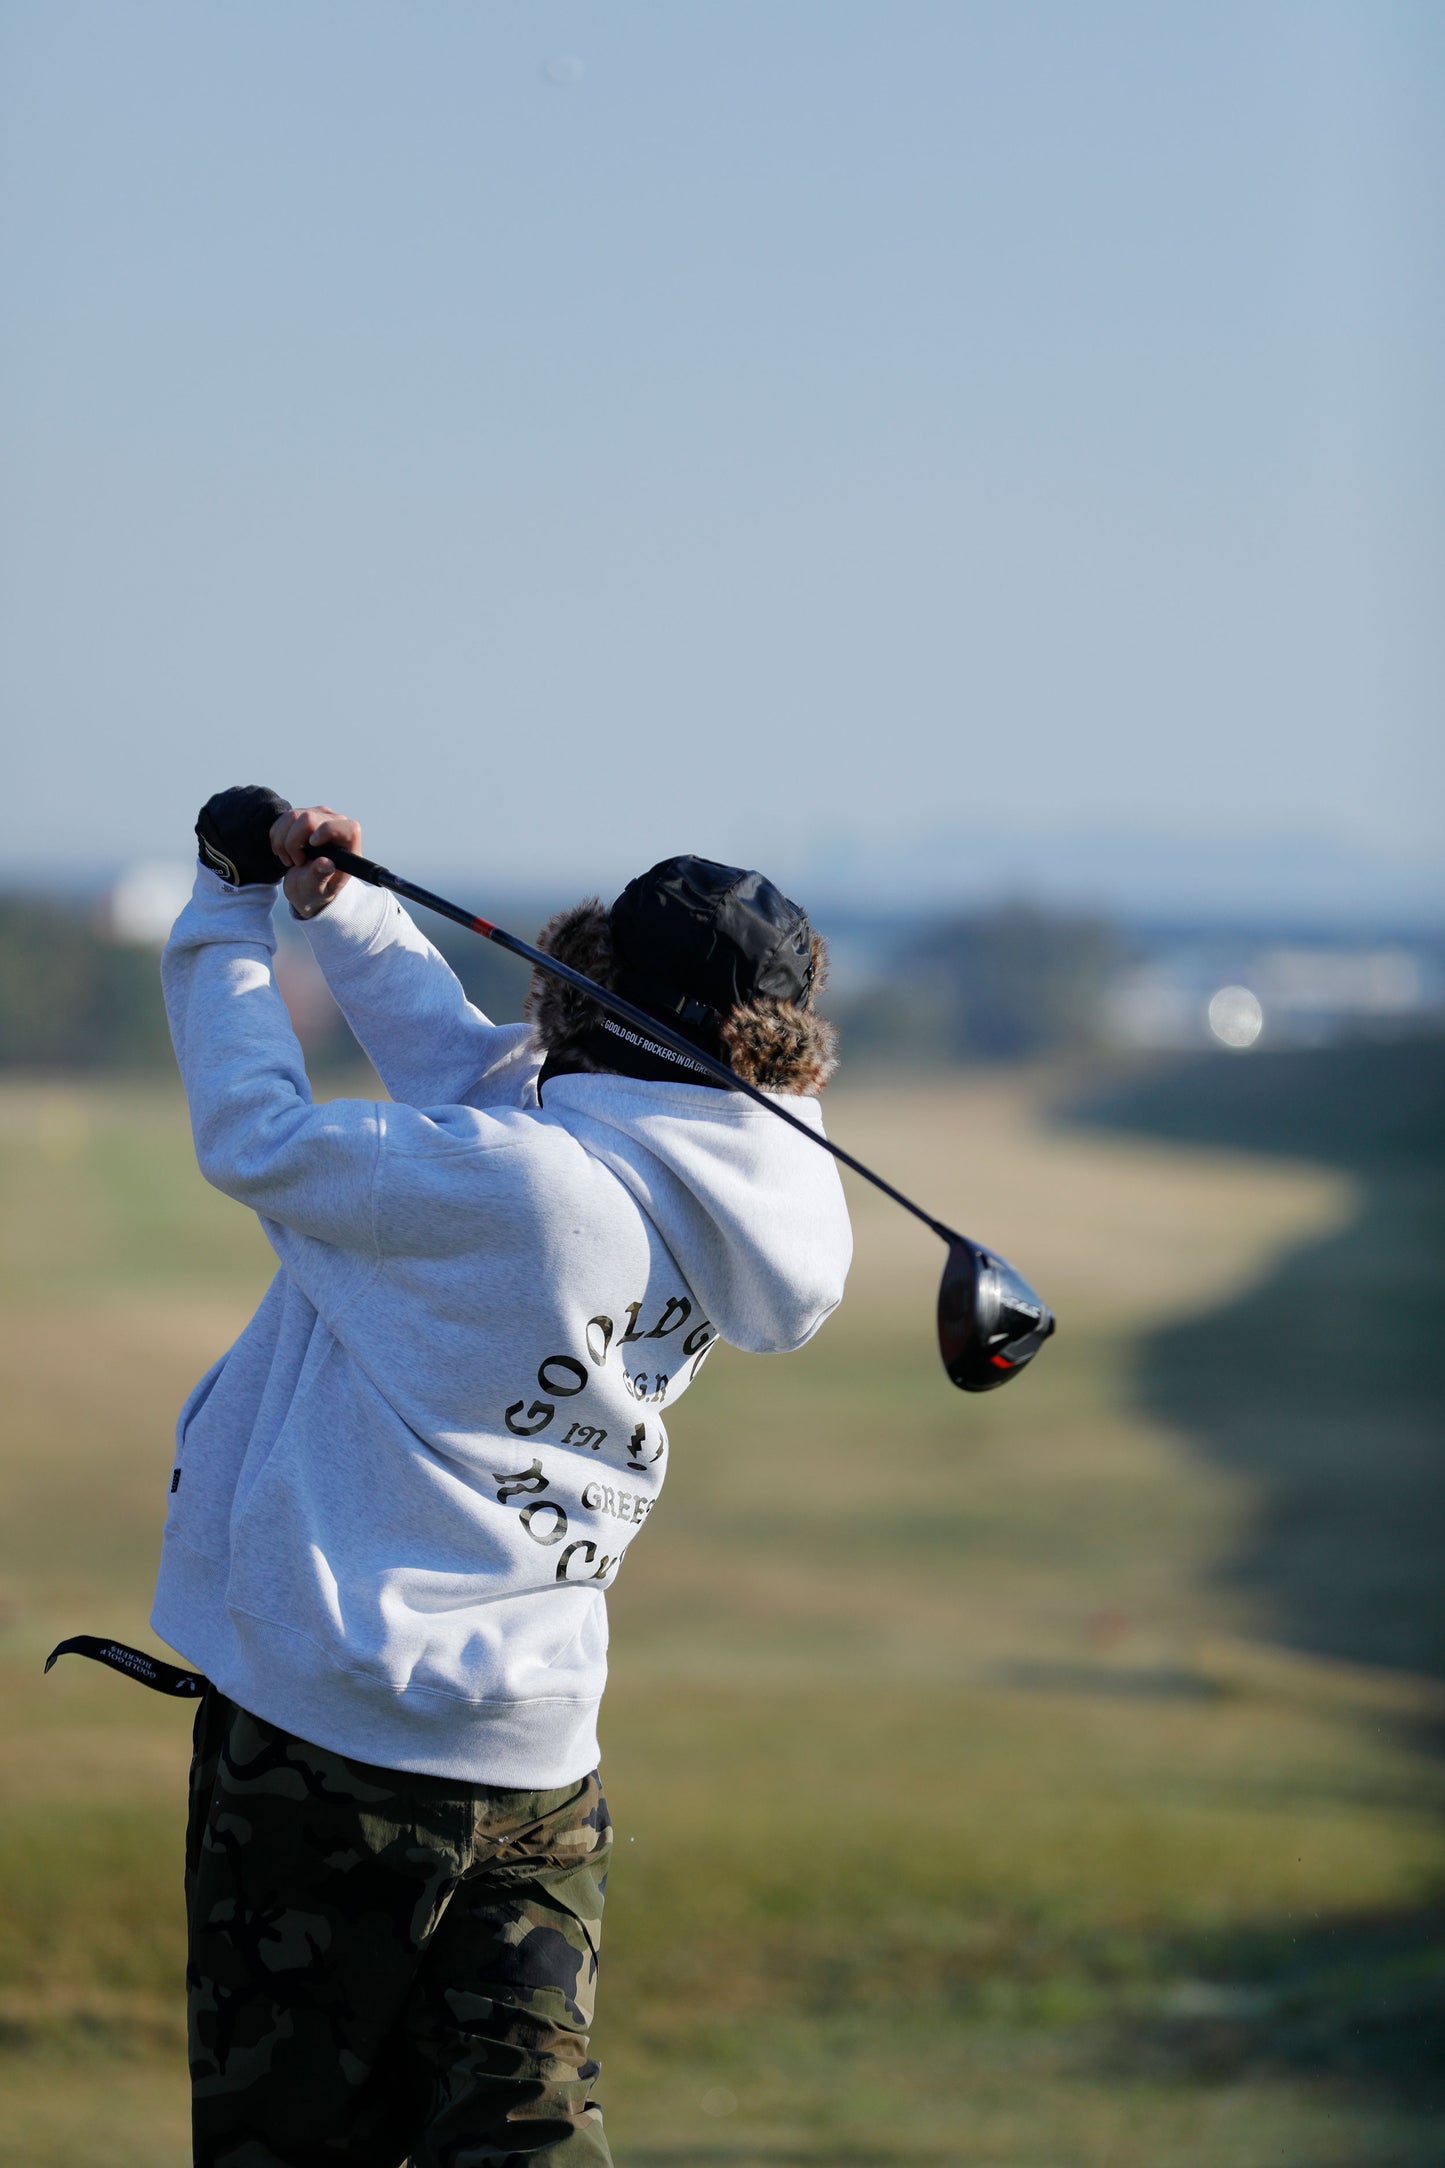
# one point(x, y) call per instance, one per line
point(991, 1324)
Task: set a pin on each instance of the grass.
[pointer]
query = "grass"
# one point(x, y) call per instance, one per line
point(1339, 1349)
point(984, 1792)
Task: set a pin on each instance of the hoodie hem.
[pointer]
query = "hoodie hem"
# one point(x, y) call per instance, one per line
point(526, 1744)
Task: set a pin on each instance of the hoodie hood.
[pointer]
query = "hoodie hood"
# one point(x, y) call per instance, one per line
point(753, 1215)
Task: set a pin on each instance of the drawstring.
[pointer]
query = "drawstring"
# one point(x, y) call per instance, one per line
point(150, 1671)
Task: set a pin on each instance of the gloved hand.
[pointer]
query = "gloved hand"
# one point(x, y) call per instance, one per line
point(234, 829)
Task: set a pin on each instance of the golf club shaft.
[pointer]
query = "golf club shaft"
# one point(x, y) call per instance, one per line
point(367, 869)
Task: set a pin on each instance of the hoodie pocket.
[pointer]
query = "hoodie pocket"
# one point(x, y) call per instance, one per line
point(198, 1507)
point(195, 1400)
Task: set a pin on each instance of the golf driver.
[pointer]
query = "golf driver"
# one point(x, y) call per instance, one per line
point(990, 1322)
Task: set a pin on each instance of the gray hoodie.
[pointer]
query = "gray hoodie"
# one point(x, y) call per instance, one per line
point(399, 1499)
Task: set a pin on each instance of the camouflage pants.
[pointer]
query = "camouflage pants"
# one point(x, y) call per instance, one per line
point(386, 1968)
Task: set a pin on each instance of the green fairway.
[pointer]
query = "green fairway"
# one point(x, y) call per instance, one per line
point(1041, 1779)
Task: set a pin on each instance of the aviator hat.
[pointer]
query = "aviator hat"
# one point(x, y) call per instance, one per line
point(717, 952)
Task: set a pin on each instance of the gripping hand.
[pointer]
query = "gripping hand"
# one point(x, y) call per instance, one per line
point(234, 829)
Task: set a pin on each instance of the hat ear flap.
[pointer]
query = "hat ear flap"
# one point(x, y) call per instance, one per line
point(582, 937)
point(780, 1046)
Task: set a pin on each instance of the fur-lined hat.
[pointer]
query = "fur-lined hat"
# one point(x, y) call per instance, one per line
point(717, 953)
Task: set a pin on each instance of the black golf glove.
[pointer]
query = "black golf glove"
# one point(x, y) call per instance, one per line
point(235, 832)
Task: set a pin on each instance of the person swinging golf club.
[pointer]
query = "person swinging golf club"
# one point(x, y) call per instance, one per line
point(399, 1500)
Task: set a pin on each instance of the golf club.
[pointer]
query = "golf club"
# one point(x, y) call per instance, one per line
point(990, 1321)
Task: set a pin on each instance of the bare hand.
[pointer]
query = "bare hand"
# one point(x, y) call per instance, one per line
point(312, 883)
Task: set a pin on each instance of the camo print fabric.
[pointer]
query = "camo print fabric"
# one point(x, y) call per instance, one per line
point(387, 1968)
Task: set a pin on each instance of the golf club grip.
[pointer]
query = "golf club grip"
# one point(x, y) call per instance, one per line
point(367, 869)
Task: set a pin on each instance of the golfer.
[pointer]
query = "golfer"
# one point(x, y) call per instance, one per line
point(399, 1501)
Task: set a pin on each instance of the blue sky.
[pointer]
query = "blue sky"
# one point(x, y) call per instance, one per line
point(874, 441)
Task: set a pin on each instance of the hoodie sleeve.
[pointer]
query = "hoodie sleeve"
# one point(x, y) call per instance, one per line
point(407, 1009)
point(258, 1137)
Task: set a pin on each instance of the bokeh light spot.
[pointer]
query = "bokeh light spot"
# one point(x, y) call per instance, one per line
point(1235, 1016)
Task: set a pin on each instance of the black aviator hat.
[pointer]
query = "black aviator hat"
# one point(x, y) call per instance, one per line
point(690, 935)
point(717, 952)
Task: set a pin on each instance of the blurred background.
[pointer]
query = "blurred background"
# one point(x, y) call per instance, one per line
point(983, 464)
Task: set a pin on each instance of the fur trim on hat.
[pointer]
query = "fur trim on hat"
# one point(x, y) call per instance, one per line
point(560, 1017)
point(772, 1044)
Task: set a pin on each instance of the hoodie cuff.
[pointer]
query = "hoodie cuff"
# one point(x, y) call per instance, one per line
point(218, 912)
point(354, 920)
